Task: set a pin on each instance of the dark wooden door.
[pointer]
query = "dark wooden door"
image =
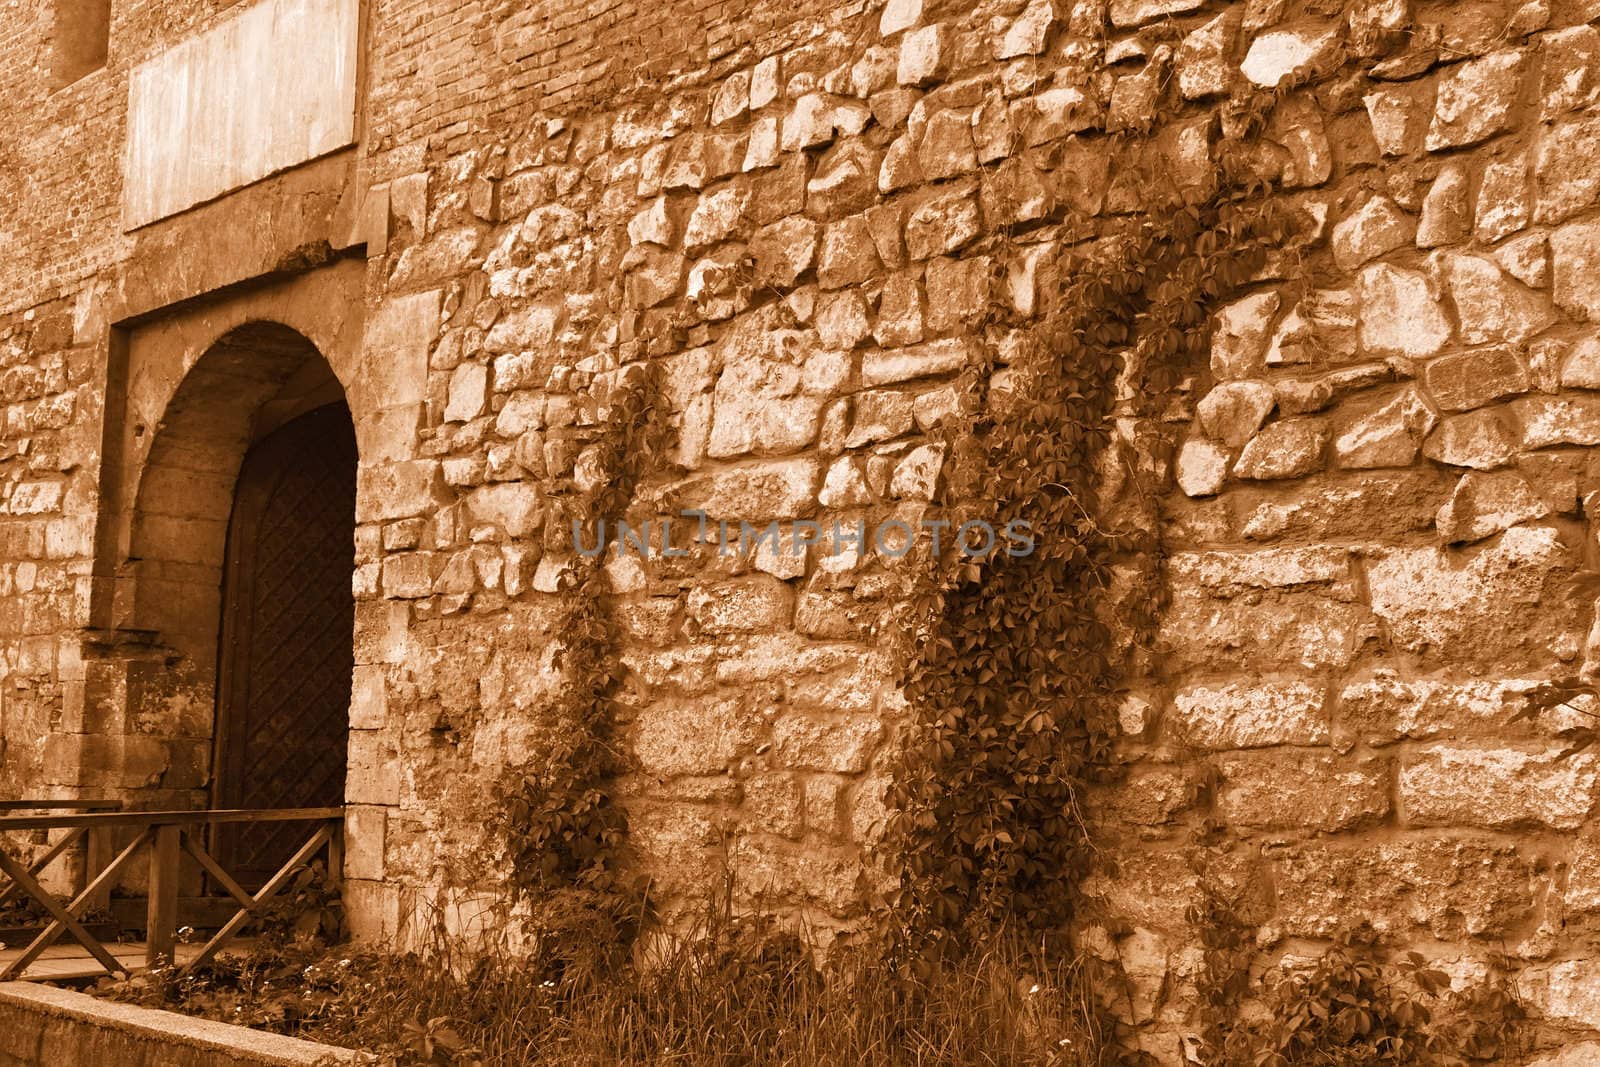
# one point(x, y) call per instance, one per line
point(286, 653)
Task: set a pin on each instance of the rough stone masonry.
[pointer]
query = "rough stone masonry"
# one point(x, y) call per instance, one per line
point(1377, 510)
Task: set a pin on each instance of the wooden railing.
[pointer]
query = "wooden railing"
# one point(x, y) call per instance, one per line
point(97, 841)
point(168, 835)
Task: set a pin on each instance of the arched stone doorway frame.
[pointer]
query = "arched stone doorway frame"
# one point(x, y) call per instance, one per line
point(190, 389)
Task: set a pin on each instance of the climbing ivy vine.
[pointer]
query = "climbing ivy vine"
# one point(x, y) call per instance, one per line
point(1010, 672)
point(564, 831)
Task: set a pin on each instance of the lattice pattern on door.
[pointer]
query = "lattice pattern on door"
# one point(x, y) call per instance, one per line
point(288, 619)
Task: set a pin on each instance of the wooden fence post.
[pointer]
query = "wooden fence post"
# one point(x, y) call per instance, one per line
point(162, 916)
point(97, 852)
point(336, 856)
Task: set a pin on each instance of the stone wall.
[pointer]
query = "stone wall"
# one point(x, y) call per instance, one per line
point(1373, 500)
point(1382, 533)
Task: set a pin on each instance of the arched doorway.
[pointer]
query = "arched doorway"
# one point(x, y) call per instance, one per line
point(240, 550)
point(285, 654)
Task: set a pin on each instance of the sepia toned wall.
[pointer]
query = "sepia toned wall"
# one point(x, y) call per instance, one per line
point(1374, 502)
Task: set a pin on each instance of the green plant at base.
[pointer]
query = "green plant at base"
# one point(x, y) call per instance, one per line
point(1349, 1009)
point(1226, 945)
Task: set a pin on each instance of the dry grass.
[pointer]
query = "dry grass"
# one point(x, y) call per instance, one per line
point(704, 1006)
point(736, 992)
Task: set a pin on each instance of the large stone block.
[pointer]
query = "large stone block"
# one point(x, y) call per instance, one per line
point(234, 103)
point(1564, 176)
point(372, 910)
point(771, 406)
point(394, 364)
point(1231, 573)
point(774, 804)
point(677, 843)
point(468, 392)
point(1476, 100)
point(1202, 59)
point(1482, 440)
point(1276, 55)
point(1569, 419)
point(1372, 504)
point(1485, 504)
point(743, 605)
point(1385, 437)
point(1499, 601)
point(1575, 251)
point(516, 508)
point(1570, 79)
point(756, 492)
point(1028, 32)
point(1301, 791)
point(374, 774)
point(1567, 991)
point(1578, 1055)
point(919, 361)
point(1125, 13)
point(1233, 411)
point(1505, 202)
point(1491, 306)
point(769, 871)
point(695, 737)
point(35, 498)
point(1202, 467)
point(1155, 887)
point(1400, 315)
point(1242, 715)
point(1448, 888)
point(1447, 209)
point(1150, 796)
point(369, 701)
point(1400, 115)
point(1384, 706)
point(943, 223)
point(848, 256)
point(1310, 620)
point(1582, 894)
point(1472, 379)
point(960, 292)
point(1500, 788)
point(924, 55)
point(1290, 448)
point(398, 490)
point(784, 251)
point(1378, 226)
point(409, 575)
point(1303, 628)
point(365, 836)
point(1239, 337)
point(839, 743)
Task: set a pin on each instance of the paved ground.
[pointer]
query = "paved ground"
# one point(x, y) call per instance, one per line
point(67, 961)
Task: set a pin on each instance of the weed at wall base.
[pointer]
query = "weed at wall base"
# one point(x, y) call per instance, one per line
point(734, 990)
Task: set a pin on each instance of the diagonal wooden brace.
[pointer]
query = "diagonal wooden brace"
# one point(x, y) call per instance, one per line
point(49, 934)
point(19, 874)
point(44, 861)
point(322, 836)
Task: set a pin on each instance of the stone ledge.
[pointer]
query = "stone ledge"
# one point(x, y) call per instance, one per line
point(43, 1026)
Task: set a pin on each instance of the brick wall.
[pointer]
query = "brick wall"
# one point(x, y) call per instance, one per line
point(60, 166)
point(444, 74)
